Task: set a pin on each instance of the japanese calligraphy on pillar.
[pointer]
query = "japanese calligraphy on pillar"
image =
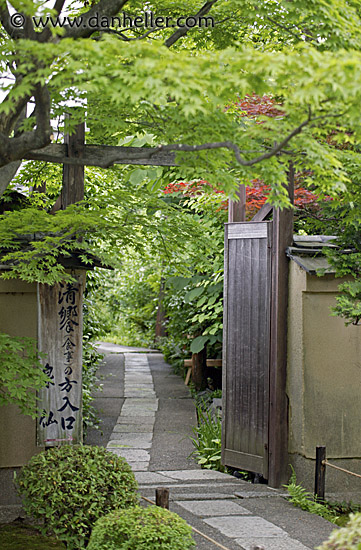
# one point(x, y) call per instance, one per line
point(60, 339)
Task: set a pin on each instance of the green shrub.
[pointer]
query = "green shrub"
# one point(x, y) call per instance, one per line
point(207, 442)
point(141, 529)
point(347, 538)
point(68, 488)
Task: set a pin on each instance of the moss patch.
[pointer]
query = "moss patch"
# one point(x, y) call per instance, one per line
point(17, 536)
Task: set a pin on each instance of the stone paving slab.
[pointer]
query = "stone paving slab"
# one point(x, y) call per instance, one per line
point(131, 455)
point(140, 466)
point(141, 402)
point(285, 543)
point(114, 444)
point(136, 440)
point(133, 413)
point(139, 406)
point(138, 411)
point(176, 496)
point(133, 420)
point(217, 486)
point(212, 507)
point(188, 475)
point(137, 369)
point(138, 378)
point(134, 367)
point(152, 477)
point(257, 494)
point(245, 527)
point(139, 386)
point(139, 392)
point(131, 428)
point(128, 393)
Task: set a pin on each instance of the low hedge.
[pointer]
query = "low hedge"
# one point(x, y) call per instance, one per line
point(68, 488)
point(139, 528)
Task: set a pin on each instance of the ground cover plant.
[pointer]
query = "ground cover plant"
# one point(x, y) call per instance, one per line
point(68, 488)
point(139, 528)
point(207, 440)
point(335, 512)
point(306, 501)
point(17, 536)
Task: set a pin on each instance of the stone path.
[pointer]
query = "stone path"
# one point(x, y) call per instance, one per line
point(133, 433)
point(237, 514)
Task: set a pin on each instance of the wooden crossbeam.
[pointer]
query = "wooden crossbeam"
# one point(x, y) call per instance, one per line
point(104, 156)
point(262, 214)
point(210, 362)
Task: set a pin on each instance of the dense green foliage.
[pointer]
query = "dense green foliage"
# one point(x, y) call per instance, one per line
point(180, 94)
point(187, 283)
point(126, 300)
point(21, 373)
point(141, 529)
point(68, 488)
point(346, 538)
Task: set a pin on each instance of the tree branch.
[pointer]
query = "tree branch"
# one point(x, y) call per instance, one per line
point(12, 149)
point(309, 37)
point(184, 30)
point(237, 152)
point(7, 173)
point(5, 21)
point(104, 7)
point(58, 6)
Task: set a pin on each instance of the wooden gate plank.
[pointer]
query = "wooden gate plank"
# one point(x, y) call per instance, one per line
point(246, 346)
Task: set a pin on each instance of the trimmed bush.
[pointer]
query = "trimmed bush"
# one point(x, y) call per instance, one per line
point(347, 538)
point(139, 528)
point(68, 488)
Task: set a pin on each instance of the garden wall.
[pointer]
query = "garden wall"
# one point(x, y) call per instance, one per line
point(18, 317)
point(323, 382)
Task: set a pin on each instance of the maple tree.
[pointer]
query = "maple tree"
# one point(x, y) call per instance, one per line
point(178, 90)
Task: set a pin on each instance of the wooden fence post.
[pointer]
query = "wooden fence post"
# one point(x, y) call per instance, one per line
point(162, 497)
point(320, 473)
point(199, 366)
point(73, 175)
point(278, 427)
point(237, 210)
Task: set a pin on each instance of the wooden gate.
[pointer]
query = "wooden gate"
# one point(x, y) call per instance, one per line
point(247, 345)
point(255, 423)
